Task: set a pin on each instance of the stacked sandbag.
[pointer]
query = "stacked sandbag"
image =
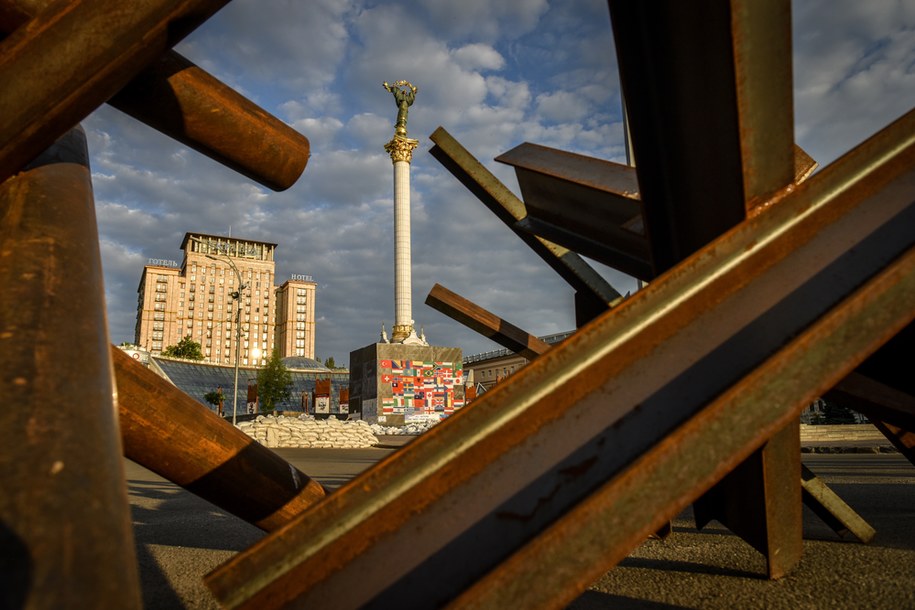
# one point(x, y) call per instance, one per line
point(411, 429)
point(306, 431)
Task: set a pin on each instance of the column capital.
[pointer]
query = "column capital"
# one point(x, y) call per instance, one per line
point(401, 148)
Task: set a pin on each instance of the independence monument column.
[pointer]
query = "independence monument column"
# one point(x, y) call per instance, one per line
point(401, 150)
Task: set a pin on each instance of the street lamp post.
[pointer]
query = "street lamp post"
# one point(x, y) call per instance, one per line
point(237, 296)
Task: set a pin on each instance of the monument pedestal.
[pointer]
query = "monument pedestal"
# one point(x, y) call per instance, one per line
point(394, 384)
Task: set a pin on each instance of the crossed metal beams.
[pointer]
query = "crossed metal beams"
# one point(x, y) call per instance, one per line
point(557, 473)
point(64, 513)
point(66, 526)
point(124, 59)
point(614, 431)
point(553, 476)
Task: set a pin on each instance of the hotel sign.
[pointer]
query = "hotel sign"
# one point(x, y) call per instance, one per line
point(161, 262)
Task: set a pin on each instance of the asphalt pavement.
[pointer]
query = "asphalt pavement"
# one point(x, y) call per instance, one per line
point(180, 538)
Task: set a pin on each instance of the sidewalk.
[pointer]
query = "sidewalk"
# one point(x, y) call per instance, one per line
point(848, 438)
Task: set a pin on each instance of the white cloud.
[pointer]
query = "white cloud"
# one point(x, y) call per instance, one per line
point(320, 131)
point(478, 56)
point(485, 19)
point(493, 74)
point(853, 71)
point(562, 106)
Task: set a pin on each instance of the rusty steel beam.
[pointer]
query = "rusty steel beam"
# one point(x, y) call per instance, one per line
point(509, 209)
point(592, 206)
point(614, 517)
point(508, 335)
point(689, 78)
point(760, 501)
point(582, 203)
point(184, 102)
point(834, 511)
point(902, 439)
point(589, 449)
point(85, 52)
point(175, 436)
point(189, 105)
point(485, 322)
point(876, 400)
point(65, 525)
point(719, 74)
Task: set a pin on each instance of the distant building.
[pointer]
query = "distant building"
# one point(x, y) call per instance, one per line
point(197, 379)
point(196, 299)
point(489, 368)
point(295, 317)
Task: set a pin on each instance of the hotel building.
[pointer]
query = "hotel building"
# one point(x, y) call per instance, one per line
point(198, 298)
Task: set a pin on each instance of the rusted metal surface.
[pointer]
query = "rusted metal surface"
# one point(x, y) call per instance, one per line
point(902, 439)
point(760, 501)
point(804, 165)
point(582, 203)
point(189, 105)
point(599, 532)
point(85, 51)
point(688, 77)
point(876, 400)
point(592, 206)
point(829, 507)
point(671, 391)
point(184, 102)
point(718, 74)
point(64, 516)
point(509, 209)
point(175, 436)
point(485, 322)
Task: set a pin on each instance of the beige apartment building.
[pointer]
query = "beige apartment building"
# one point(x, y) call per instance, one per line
point(200, 298)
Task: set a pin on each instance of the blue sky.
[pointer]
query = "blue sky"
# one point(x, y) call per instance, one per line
point(494, 74)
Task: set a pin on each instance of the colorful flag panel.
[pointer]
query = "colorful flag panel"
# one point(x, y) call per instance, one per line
point(421, 387)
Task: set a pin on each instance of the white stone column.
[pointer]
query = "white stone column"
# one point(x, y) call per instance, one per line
point(401, 151)
point(403, 305)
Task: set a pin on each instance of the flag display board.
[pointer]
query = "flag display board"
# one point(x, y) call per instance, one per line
point(421, 389)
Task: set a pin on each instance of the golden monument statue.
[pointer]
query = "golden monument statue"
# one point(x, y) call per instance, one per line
point(404, 94)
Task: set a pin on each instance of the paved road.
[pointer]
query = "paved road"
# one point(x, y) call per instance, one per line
point(180, 538)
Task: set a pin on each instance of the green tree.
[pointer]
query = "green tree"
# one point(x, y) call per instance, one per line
point(187, 348)
point(273, 382)
point(329, 363)
point(216, 399)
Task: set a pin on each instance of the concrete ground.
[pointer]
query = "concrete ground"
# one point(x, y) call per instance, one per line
point(180, 538)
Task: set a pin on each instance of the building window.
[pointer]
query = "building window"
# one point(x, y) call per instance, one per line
point(159, 306)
